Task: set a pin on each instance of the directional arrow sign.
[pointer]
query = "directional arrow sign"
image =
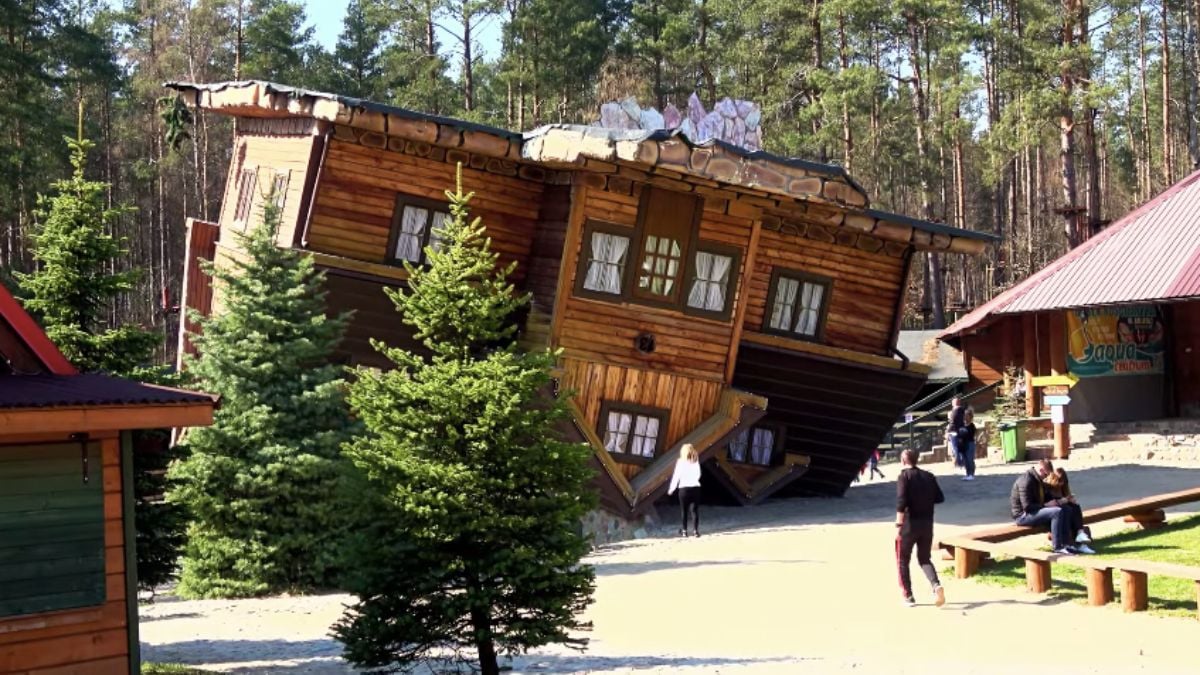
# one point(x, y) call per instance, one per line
point(1057, 400)
point(1069, 380)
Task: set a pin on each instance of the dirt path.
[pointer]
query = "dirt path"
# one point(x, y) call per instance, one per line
point(796, 586)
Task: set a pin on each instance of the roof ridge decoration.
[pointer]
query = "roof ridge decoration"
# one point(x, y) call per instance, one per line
point(1079, 254)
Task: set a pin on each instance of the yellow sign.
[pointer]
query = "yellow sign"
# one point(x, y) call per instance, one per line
point(1055, 390)
point(1067, 380)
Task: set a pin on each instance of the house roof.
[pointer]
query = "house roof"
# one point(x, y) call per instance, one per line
point(90, 389)
point(575, 146)
point(1150, 255)
point(60, 399)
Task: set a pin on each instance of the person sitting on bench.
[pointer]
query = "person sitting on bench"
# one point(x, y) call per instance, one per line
point(1057, 487)
point(1031, 509)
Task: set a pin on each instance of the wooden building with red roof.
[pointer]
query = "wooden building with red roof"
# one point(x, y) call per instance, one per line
point(68, 566)
point(1121, 312)
point(740, 301)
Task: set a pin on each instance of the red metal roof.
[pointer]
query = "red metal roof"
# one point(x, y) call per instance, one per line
point(1152, 254)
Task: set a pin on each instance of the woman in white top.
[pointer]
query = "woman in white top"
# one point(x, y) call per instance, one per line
point(687, 480)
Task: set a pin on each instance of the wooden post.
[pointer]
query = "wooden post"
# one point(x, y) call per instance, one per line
point(966, 562)
point(1134, 596)
point(1033, 396)
point(1037, 575)
point(1058, 366)
point(1149, 520)
point(1100, 587)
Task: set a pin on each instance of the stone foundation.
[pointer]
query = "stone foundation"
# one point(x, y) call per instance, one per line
point(607, 528)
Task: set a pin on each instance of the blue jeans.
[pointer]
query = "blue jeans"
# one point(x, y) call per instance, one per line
point(1058, 520)
point(967, 456)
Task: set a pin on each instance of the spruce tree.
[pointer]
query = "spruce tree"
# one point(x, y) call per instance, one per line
point(73, 289)
point(263, 483)
point(470, 540)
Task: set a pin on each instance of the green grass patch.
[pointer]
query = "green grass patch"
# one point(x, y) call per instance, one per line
point(1178, 542)
point(171, 669)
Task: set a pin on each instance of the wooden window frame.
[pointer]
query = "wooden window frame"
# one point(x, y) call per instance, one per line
point(776, 446)
point(279, 187)
point(735, 268)
point(639, 245)
point(590, 227)
point(662, 414)
point(403, 200)
point(801, 276)
point(244, 206)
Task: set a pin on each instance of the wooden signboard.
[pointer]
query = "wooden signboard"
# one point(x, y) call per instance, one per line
point(1056, 390)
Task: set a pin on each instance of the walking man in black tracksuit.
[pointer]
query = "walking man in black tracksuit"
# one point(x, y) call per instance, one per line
point(916, 492)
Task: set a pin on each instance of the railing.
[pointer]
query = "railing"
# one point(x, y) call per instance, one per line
point(953, 386)
point(925, 436)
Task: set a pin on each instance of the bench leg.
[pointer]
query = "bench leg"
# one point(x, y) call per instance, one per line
point(1149, 520)
point(1134, 596)
point(1037, 576)
point(1100, 587)
point(966, 562)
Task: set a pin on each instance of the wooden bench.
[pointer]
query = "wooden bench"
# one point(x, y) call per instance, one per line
point(1148, 512)
point(1098, 571)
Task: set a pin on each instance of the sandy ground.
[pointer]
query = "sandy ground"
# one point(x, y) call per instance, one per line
point(794, 586)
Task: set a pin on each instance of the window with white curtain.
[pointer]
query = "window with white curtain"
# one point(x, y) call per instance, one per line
point(755, 445)
point(417, 226)
point(797, 304)
point(631, 432)
point(607, 253)
point(710, 282)
point(739, 446)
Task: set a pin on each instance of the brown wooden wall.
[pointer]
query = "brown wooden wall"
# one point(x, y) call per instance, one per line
point(197, 286)
point(375, 316)
point(1184, 359)
point(989, 352)
point(689, 400)
point(604, 331)
point(356, 198)
point(864, 292)
point(269, 153)
point(87, 641)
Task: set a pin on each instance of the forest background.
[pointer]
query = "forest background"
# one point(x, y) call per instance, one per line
point(1037, 120)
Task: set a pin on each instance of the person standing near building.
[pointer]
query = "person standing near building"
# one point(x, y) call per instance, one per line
point(917, 492)
point(873, 463)
point(687, 480)
point(966, 443)
point(958, 412)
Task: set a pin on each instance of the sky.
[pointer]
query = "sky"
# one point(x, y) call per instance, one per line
point(326, 16)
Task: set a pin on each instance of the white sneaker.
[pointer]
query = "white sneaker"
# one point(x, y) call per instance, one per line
point(970, 478)
point(939, 596)
point(1082, 538)
point(909, 602)
point(1085, 549)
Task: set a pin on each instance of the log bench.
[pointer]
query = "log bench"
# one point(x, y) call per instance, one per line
point(1147, 512)
point(968, 553)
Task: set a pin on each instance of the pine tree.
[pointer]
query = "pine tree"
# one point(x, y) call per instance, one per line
point(73, 289)
point(472, 506)
point(262, 484)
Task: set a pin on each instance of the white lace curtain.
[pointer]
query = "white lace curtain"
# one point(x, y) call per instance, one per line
point(645, 436)
point(762, 447)
point(712, 280)
point(785, 300)
point(738, 446)
point(412, 230)
point(616, 437)
point(607, 263)
point(810, 309)
point(435, 229)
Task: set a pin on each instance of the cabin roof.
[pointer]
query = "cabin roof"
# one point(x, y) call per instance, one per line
point(1150, 255)
point(664, 151)
point(89, 389)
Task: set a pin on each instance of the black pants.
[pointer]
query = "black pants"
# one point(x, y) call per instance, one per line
point(1075, 512)
point(919, 534)
point(689, 502)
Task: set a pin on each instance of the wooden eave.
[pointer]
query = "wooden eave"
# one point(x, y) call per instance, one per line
point(104, 418)
point(836, 353)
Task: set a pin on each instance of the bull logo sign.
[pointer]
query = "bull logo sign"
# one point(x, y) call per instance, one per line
point(1115, 341)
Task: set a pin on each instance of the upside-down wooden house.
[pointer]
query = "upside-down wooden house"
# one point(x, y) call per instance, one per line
point(742, 302)
point(68, 563)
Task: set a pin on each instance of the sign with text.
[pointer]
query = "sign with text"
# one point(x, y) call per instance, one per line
point(1056, 390)
point(1115, 341)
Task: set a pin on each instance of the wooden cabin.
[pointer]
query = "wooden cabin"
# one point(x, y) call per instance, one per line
point(68, 563)
point(743, 302)
point(1121, 312)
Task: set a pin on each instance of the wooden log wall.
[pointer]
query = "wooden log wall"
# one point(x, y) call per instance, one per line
point(89, 640)
point(545, 264)
point(865, 287)
point(375, 316)
point(990, 351)
point(689, 400)
point(356, 197)
point(605, 331)
point(270, 151)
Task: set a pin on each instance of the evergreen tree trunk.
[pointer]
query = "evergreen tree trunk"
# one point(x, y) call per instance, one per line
point(847, 130)
point(935, 288)
point(1066, 129)
point(1168, 157)
point(1147, 188)
point(482, 622)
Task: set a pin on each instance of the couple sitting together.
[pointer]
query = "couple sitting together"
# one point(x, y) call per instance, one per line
point(1041, 497)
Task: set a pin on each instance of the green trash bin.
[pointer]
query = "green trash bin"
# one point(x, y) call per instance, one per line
point(1012, 441)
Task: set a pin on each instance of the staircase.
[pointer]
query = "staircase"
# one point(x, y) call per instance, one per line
point(929, 417)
